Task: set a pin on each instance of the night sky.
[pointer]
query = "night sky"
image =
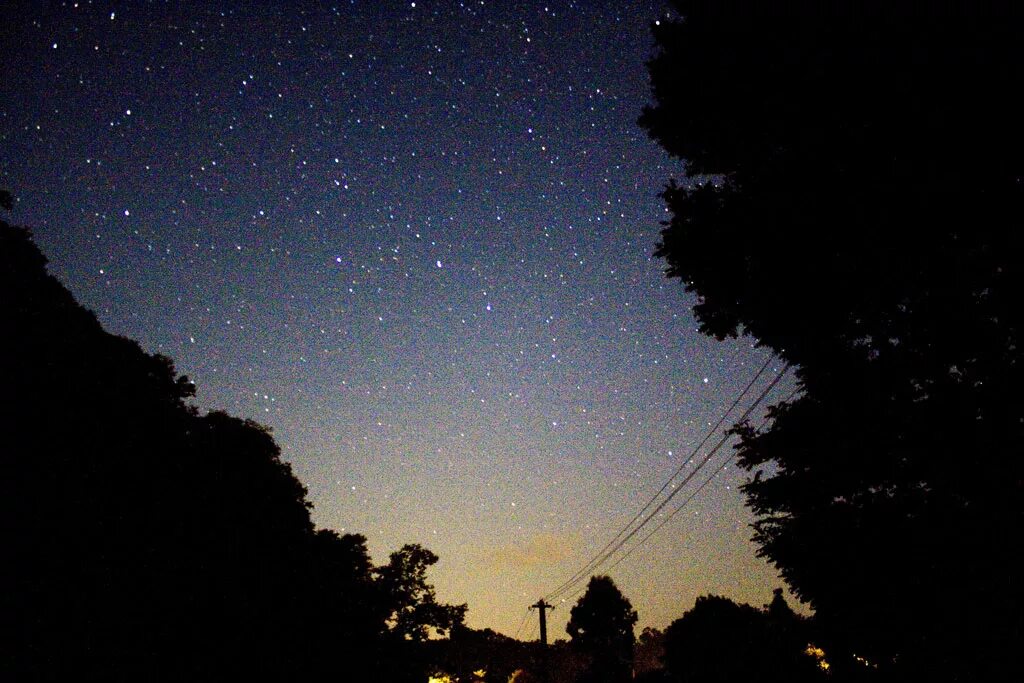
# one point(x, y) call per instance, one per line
point(414, 239)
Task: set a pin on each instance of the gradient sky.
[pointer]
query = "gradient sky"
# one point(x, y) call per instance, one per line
point(413, 238)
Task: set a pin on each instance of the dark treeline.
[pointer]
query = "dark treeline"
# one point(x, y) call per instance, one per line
point(145, 541)
point(855, 203)
point(717, 641)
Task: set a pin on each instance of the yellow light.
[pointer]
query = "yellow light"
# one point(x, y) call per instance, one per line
point(818, 654)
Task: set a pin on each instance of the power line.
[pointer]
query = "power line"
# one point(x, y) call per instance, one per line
point(594, 561)
point(526, 615)
point(530, 634)
point(605, 555)
point(672, 514)
point(602, 557)
point(700, 488)
point(663, 522)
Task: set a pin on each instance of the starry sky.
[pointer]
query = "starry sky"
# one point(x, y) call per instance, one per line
point(414, 239)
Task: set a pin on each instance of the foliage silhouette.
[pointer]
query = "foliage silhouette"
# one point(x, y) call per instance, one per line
point(144, 541)
point(413, 607)
point(855, 205)
point(468, 651)
point(411, 614)
point(719, 641)
point(648, 652)
point(601, 626)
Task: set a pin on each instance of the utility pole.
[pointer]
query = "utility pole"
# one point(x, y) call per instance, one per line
point(542, 606)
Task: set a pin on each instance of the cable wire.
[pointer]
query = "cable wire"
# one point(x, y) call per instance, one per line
point(672, 514)
point(725, 463)
point(603, 557)
point(592, 563)
point(521, 624)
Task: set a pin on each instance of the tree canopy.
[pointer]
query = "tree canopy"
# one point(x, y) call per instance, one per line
point(146, 541)
point(854, 203)
point(413, 610)
point(601, 625)
point(719, 641)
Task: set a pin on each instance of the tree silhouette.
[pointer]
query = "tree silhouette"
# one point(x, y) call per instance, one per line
point(601, 626)
point(467, 652)
point(648, 654)
point(854, 204)
point(411, 614)
point(144, 541)
point(719, 640)
point(413, 610)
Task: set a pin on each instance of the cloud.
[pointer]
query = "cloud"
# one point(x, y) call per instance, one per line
point(541, 549)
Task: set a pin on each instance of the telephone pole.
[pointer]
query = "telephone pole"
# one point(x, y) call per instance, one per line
point(542, 607)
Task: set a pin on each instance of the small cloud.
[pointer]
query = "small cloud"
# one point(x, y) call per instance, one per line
point(541, 549)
